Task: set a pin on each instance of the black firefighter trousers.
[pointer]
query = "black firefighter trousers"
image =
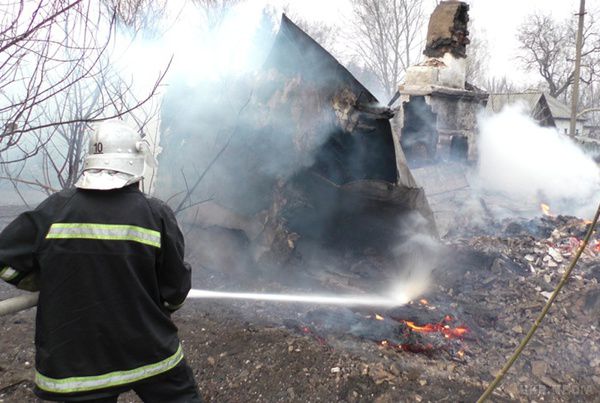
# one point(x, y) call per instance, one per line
point(174, 386)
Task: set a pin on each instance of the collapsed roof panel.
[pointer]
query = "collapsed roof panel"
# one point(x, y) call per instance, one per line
point(295, 52)
point(352, 128)
point(310, 154)
point(359, 156)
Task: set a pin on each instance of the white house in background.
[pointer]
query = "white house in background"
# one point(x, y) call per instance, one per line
point(546, 110)
point(591, 130)
point(562, 117)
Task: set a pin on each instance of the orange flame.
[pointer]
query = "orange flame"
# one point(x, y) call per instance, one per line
point(428, 328)
point(546, 209)
point(446, 330)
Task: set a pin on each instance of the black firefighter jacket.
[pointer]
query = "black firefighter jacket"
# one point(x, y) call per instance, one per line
point(110, 269)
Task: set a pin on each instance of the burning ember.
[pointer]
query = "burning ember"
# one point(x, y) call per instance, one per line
point(442, 327)
point(414, 332)
point(428, 337)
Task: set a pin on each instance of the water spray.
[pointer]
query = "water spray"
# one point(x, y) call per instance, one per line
point(348, 300)
point(20, 303)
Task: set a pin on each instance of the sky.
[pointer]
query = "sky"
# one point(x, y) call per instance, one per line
point(501, 19)
point(199, 55)
point(497, 20)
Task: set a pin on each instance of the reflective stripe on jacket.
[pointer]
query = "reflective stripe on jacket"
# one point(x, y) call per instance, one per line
point(110, 269)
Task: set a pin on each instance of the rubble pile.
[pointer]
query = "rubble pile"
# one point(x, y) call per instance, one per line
point(492, 285)
point(311, 193)
point(518, 270)
point(543, 246)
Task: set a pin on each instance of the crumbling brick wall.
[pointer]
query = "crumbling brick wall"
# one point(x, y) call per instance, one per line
point(447, 31)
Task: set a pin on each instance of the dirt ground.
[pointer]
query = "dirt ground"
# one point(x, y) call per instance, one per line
point(496, 285)
point(237, 360)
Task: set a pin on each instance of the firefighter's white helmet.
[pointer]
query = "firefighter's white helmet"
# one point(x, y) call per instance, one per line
point(116, 155)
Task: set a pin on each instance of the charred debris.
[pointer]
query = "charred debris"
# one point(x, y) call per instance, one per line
point(312, 166)
point(307, 162)
point(298, 166)
point(299, 159)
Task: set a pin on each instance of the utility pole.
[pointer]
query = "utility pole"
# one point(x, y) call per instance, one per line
point(576, 73)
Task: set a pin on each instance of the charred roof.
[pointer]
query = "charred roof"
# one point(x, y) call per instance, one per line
point(295, 53)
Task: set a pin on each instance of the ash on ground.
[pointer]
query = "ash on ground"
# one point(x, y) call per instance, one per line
point(495, 285)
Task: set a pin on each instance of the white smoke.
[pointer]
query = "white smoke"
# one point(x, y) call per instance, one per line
point(206, 108)
point(202, 49)
point(535, 164)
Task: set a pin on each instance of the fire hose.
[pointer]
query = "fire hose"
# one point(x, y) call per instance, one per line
point(22, 302)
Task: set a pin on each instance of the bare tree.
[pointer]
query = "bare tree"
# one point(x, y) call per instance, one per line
point(477, 57)
point(500, 85)
point(215, 10)
point(320, 31)
point(55, 80)
point(548, 47)
point(139, 15)
point(28, 56)
point(387, 37)
point(589, 100)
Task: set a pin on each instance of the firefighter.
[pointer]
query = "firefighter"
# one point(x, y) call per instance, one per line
point(108, 263)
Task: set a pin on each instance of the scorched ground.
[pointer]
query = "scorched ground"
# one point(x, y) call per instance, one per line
point(492, 284)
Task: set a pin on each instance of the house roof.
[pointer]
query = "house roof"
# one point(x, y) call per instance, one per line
point(295, 52)
point(559, 110)
point(535, 104)
point(530, 99)
point(498, 101)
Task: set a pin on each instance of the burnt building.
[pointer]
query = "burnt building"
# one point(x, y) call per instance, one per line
point(307, 161)
point(435, 108)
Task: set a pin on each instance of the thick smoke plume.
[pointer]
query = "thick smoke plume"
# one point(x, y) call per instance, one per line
point(252, 134)
point(532, 164)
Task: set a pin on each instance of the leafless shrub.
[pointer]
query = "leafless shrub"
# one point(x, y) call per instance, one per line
point(387, 37)
point(55, 80)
